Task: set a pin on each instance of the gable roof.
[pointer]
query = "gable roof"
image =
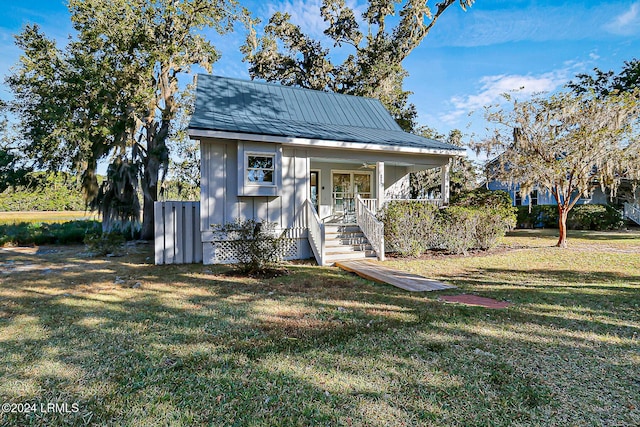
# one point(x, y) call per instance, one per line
point(250, 107)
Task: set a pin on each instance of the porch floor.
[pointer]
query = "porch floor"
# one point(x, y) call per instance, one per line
point(398, 278)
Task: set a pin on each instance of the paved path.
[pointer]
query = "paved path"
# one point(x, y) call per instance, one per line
point(398, 278)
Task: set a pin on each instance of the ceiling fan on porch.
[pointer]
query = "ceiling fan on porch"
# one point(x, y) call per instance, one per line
point(367, 165)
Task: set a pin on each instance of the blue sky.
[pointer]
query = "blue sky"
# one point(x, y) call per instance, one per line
point(466, 62)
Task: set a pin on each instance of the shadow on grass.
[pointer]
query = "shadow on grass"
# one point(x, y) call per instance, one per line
point(191, 345)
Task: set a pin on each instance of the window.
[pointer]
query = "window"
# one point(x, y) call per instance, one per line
point(517, 199)
point(534, 198)
point(260, 169)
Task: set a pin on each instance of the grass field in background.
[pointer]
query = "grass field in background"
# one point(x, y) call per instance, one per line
point(136, 344)
point(45, 216)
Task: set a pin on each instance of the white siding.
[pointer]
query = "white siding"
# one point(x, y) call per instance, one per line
point(222, 169)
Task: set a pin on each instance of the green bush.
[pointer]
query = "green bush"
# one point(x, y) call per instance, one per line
point(594, 217)
point(44, 191)
point(457, 229)
point(410, 227)
point(481, 197)
point(105, 243)
point(477, 221)
point(47, 233)
point(581, 217)
point(256, 244)
point(541, 216)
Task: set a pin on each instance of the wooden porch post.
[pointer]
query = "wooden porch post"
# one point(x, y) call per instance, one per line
point(444, 185)
point(380, 184)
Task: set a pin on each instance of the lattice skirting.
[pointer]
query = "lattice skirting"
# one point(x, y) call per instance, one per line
point(223, 251)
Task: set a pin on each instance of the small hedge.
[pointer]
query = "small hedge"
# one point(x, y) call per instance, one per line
point(45, 233)
point(581, 217)
point(476, 221)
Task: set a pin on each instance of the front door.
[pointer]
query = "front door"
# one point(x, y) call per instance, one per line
point(345, 186)
point(314, 189)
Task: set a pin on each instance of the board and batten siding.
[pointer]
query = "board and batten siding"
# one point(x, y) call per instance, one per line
point(222, 172)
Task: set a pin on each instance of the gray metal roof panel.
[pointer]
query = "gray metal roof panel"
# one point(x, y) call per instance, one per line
point(233, 105)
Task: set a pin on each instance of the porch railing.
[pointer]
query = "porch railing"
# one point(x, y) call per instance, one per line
point(372, 228)
point(316, 232)
point(437, 202)
point(632, 212)
point(372, 204)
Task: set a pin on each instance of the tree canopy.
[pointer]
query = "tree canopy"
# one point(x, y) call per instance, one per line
point(373, 68)
point(605, 83)
point(567, 143)
point(113, 91)
point(463, 176)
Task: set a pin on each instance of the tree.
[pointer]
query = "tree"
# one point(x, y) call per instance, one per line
point(12, 169)
point(604, 83)
point(374, 68)
point(463, 176)
point(567, 143)
point(113, 92)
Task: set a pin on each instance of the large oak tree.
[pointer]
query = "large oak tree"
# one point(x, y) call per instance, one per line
point(113, 92)
point(373, 69)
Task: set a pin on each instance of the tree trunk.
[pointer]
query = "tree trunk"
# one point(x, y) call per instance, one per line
point(562, 226)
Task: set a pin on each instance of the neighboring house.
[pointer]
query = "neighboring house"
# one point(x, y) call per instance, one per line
point(542, 196)
point(627, 196)
point(317, 164)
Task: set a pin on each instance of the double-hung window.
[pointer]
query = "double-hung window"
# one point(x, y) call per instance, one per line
point(260, 169)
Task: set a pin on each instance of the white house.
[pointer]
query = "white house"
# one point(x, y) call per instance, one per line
point(317, 164)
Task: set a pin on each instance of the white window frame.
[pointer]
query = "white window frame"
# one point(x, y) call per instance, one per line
point(273, 157)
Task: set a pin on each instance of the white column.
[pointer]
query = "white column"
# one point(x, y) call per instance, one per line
point(444, 185)
point(380, 183)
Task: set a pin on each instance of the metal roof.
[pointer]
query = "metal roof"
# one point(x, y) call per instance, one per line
point(232, 105)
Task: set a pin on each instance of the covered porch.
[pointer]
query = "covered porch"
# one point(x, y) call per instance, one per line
point(335, 184)
point(347, 189)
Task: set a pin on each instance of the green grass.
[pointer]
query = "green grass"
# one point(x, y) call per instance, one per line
point(137, 344)
point(45, 216)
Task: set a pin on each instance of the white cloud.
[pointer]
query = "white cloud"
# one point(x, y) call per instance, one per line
point(626, 23)
point(306, 14)
point(493, 87)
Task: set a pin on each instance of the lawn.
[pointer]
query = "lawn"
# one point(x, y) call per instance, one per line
point(123, 342)
point(45, 216)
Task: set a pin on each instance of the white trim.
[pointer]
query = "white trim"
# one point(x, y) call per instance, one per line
point(204, 133)
point(351, 173)
point(270, 154)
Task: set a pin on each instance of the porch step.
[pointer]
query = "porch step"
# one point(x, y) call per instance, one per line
point(342, 241)
point(341, 228)
point(347, 249)
point(346, 242)
point(330, 259)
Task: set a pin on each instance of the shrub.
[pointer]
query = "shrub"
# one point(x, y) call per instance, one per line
point(594, 217)
point(410, 228)
point(481, 197)
point(477, 221)
point(47, 233)
point(256, 244)
point(105, 243)
point(492, 225)
point(581, 217)
point(458, 226)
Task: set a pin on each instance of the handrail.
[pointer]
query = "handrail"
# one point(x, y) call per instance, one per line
point(371, 204)
point(437, 202)
point(316, 233)
point(632, 212)
point(372, 228)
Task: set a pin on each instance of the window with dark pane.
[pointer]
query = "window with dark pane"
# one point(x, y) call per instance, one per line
point(260, 169)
